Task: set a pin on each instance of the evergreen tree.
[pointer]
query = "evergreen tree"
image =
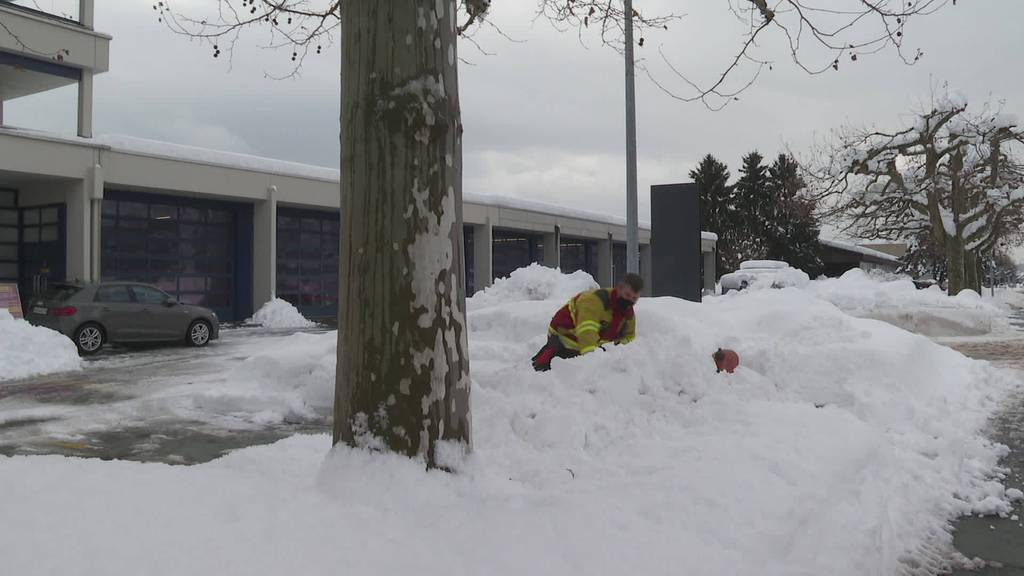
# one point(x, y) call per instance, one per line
point(790, 228)
point(750, 203)
point(716, 212)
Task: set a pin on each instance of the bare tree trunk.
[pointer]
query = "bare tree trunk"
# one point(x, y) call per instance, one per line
point(403, 371)
point(955, 265)
point(972, 276)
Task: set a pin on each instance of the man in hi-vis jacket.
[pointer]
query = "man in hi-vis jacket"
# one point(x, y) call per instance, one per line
point(590, 320)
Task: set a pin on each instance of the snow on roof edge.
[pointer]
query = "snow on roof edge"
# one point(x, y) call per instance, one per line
point(859, 249)
point(500, 201)
point(182, 152)
point(169, 150)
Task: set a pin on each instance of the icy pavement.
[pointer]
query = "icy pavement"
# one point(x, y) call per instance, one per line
point(999, 542)
point(133, 404)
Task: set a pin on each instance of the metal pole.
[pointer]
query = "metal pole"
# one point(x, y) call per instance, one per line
point(632, 221)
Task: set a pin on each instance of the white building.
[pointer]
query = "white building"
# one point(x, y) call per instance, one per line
point(224, 230)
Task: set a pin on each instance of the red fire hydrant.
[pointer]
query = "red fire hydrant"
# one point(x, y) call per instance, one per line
point(726, 359)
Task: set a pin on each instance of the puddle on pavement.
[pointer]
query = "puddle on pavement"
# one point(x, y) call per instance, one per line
point(182, 443)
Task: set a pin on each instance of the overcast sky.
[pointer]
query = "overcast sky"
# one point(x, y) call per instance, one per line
point(543, 114)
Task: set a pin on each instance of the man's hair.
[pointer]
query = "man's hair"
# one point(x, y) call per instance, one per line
point(634, 281)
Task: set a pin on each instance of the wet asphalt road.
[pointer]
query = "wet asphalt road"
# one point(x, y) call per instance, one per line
point(999, 542)
point(33, 411)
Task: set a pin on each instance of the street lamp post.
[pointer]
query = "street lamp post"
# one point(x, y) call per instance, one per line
point(632, 219)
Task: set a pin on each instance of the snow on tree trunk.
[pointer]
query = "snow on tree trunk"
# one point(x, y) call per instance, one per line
point(403, 370)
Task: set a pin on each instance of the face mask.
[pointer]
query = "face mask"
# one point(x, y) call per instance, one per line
point(626, 304)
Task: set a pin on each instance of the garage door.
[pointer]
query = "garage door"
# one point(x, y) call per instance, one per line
point(198, 251)
point(307, 260)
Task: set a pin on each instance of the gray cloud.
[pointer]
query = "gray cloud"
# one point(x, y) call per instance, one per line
point(544, 116)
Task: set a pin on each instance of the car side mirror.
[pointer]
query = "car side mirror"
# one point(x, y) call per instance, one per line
point(170, 302)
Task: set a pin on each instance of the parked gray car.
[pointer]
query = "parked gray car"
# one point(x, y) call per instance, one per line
point(120, 312)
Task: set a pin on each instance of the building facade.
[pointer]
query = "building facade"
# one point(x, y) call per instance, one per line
point(223, 230)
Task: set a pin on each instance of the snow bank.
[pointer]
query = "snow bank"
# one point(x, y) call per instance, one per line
point(928, 312)
point(840, 446)
point(280, 314)
point(27, 350)
point(291, 380)
point(534, 282)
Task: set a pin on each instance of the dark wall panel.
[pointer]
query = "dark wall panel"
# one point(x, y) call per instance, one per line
point(675, 240)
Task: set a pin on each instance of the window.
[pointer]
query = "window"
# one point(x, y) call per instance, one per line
point(514, 250)
point(618, 262)
point(308, 243)
point(60, 292)
point(577, 254)
point(40, 225)
point(8, 236)
point(186, 247)
point(113, 294)
point(146, 295)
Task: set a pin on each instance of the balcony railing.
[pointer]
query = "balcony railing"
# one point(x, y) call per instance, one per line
point(63, 10)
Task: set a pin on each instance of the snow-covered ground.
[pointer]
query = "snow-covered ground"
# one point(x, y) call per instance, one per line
point(897, 301)
point(27, 350)
point(842, 445)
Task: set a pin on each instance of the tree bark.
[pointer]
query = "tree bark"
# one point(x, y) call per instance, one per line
point(972, 276)
point(955, 265)
point(403, 372)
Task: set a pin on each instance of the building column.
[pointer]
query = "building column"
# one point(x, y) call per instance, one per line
point(264, 249)
point(709, 271)
point(1, 112)
point(86, 13)
point(552, 248)
point(483, 240)
point(78, 230)
point(605, 261)
point(94, 193)
point(85, 105)
point(647, 268)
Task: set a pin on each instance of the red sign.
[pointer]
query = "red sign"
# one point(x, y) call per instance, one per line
point(10, 300)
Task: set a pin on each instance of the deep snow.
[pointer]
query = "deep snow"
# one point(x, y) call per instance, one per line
point(929, 312)
point(841, 446)
point(27, 350)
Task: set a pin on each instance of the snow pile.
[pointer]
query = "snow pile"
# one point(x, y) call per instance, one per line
point(929, 312)
point(280, 314)
point(290, 381)
point(534, 282)
point(27, 350)
point(780, 278)
point(840, 446)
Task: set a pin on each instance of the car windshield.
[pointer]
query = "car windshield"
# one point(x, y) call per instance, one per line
point(60, 292)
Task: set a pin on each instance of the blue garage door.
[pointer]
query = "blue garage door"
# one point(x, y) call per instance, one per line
point(307, 260)
point(513, 250)
point(579, 254)
point(198, 251)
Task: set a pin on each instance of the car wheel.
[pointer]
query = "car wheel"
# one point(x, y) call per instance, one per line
point(198, 333)
point(89, 339)
point(744, 285)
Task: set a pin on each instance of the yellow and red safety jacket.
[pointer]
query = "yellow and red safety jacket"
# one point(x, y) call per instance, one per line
point(591, 319)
